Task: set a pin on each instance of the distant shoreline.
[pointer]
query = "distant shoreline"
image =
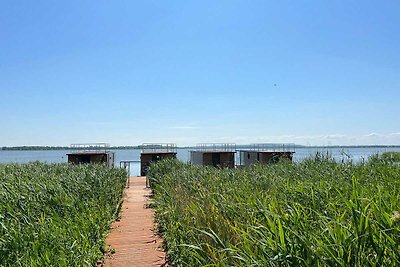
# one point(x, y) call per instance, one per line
point(41, 148)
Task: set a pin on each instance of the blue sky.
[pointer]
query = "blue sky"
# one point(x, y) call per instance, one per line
point(128, 72)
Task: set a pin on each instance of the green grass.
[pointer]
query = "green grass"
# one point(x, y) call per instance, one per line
point(58, 214)
point(391, 156)
point(314, 213)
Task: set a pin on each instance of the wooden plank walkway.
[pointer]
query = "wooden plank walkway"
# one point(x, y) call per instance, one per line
point(133, 238)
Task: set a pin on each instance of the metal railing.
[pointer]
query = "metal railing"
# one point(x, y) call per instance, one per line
point(90, 147)
point(223, 147)
point(159, 148)
point(273, 147)
point(126, 164)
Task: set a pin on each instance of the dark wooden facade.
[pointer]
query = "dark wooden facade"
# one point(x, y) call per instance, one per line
point(148, 157)
point(91, 158)
point(222, 159)
point(248, 157)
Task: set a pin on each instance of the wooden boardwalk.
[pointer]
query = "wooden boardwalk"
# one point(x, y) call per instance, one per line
point(133, 237)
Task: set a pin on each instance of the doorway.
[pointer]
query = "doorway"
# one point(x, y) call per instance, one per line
point(216, 159)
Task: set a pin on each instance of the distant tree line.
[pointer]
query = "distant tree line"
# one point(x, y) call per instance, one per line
point(34, 148)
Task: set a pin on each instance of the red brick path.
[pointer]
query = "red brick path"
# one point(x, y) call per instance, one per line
point(132, 237)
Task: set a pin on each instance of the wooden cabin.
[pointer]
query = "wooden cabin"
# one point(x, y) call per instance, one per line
point(218, 155)
point(155, 152)
point(266, 153)
point(91, 153)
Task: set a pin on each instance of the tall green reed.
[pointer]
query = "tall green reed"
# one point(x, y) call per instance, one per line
point(56, 214)
point(314, 213)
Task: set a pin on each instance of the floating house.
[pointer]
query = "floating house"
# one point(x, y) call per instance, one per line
point(266, 153)
point(152, 152)
point(214, 154)
point(91, 153)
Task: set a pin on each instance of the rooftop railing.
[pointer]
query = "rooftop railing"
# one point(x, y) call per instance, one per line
point(159, 148)
point(273, 147)
point(90, 147)
point(223, 147)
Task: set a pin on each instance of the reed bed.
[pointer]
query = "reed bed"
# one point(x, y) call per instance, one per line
point(58, 214)
point(388, 156)
point(315, 213)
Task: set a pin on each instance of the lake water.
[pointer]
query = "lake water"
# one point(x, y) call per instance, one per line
point(356, 154)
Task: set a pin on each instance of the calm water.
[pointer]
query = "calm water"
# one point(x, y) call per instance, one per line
point(357, 154)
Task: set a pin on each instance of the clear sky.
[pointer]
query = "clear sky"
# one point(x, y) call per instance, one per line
point(128, 72)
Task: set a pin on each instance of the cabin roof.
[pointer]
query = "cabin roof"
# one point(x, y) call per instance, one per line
point(212, 151)
point(89, 153)
point(263, 151)
point(157, 152)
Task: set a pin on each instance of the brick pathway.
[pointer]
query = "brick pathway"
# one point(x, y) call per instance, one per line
point(132, 237)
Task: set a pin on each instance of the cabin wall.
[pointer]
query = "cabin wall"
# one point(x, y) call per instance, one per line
point(147, 158)
point(225, 159)
point(271, 157)
point(249, 157)
point(196, 157)
point(107, 158)
point(228, 160)
point(207, 159)
point(75, 159)
point(111, 159)
point(99, 158)
point(168, 156)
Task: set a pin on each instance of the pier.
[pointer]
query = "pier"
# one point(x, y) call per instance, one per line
point(133, 237)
